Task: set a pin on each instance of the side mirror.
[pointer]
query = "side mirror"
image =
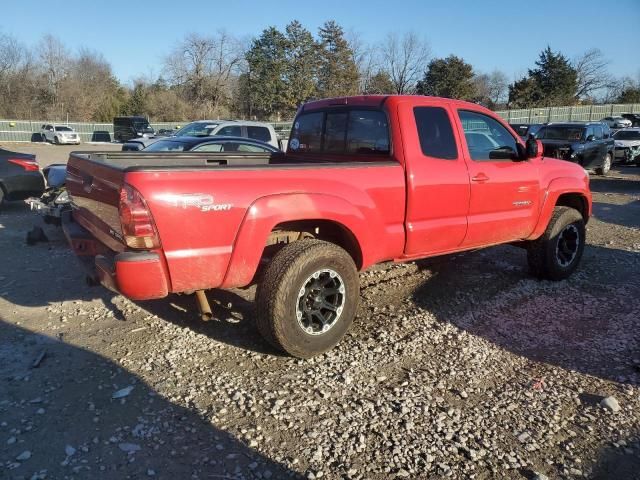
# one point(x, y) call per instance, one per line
point(503, 153)
point(591, 138)
point(533, 147)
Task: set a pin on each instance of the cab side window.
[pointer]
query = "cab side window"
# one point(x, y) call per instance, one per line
point(435, 133)
point(598, 132)
point(259, 133)
point(487, 139)
point(233, 131)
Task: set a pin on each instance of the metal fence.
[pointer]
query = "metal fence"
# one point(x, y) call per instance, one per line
point(578, 113)
point(29, 131)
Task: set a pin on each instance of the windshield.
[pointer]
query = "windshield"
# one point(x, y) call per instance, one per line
point(63, 129)
point(166, 146)
point(196, 129)
point(561, 133)
point(142, 127)
point(627, 135)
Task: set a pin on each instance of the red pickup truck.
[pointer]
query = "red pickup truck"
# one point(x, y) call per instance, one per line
point(364, 180)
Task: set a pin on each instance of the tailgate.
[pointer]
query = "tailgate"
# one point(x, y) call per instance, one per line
point(94, 188)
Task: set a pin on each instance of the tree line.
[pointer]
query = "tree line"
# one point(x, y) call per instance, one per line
point(267, 77)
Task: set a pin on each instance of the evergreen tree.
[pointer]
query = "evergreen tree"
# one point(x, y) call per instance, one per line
point(379, 83)
point(337, 73)
point(556, 79)
point(553, 82)
point(524, 93)
point(267, 63)
point(301, 67)
point(449, 77)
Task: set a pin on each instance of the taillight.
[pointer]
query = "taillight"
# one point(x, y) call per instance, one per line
point(138, 228)
point(28, 164)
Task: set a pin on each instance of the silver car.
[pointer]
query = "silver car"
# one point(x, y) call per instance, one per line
point(617, 122)
point(59, 134)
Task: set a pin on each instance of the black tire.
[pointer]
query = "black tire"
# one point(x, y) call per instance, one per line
point(56, 140)
point(1, 197)
point(289, 291)
point(605, 167)
point(557, 253)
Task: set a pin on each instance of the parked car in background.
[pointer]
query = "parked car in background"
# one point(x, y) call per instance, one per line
point(525, 129)
point(20, 176)
point(217, 143)
point(59, 134)
point(263, 132)
point(166, 132)
point(627, 145)
point(634, 118)
point(588, 144)
point(617, 122)
point(126, 128)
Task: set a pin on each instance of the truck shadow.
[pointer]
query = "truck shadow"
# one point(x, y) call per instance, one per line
point(615, 185)
point(48, 274)
point(589, 323)
point(232, 323)
point(63, 413)
point(627, 215)
point(618, 463)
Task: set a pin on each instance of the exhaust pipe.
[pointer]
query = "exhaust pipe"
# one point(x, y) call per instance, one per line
point(203, 305)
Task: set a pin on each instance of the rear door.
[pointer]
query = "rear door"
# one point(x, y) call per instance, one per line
point(504, 200)
point(437, 179)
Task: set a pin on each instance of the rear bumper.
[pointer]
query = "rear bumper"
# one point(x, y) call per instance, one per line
point(136, 275)
point(25, 185)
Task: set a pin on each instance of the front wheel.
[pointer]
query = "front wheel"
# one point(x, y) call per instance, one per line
point(606, 165)
point(56, 140)
point(557, 253)
point(308, 297)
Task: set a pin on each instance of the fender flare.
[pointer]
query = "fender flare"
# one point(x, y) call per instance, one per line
point(267, 212)
point(556, 188)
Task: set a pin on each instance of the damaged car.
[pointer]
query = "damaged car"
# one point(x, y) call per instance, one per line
point(587, 144)
point(627, 146)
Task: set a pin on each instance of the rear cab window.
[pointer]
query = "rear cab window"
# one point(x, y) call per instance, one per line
point(435, 133)
point(259, 133)
point(344, 131)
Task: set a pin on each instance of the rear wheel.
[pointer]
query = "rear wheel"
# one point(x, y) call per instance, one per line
point(308, 297)
point(557, 253)
point(606, 165)
point(1, 196)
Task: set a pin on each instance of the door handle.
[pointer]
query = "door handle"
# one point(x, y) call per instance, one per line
point(481, 177)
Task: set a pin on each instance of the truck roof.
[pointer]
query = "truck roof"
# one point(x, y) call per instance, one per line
point(376, 101)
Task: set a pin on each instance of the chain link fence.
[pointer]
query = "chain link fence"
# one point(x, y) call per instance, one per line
point(29, 130)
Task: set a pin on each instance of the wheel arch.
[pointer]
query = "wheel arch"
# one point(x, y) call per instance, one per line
point(321, 216)
point(563, 192)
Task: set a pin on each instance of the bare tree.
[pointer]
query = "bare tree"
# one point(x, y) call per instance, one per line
point(365, 58)
point(404, 59)
point(203, 67)
point(55, 61)
point(593, 74)
point(10, 54)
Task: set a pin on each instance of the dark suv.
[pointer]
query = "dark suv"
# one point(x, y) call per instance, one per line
point(634, 117)
point(588, 144)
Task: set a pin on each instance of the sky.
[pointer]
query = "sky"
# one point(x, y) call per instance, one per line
point(490, 34)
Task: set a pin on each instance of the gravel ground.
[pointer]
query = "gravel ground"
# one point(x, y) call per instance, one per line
point(47, 153)
point(458, 367)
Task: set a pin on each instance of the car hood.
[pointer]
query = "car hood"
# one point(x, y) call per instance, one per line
point(627, 143)
point(557, 143)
